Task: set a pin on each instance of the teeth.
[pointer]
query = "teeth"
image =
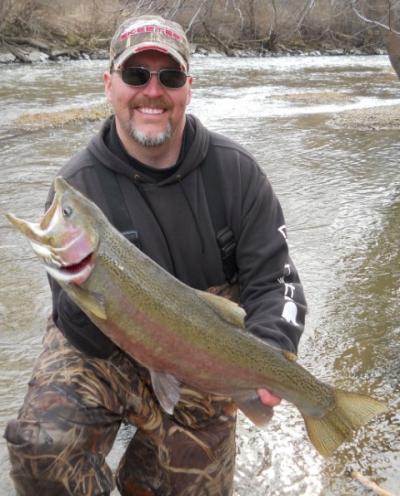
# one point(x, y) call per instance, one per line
point(151, 110)
point(65, 277)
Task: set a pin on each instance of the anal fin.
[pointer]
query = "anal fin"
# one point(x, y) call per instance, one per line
point(167, 389)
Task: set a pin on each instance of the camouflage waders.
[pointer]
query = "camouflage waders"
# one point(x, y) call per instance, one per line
point(71, 415)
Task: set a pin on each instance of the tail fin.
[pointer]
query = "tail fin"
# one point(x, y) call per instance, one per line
point(352, 410)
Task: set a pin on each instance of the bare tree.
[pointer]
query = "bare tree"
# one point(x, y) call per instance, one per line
point(309, 4)
point(195, 16)
point(388, 21)
point(388, 15)
point(233, 24)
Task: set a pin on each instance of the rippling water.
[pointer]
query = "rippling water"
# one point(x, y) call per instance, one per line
point(340, 189)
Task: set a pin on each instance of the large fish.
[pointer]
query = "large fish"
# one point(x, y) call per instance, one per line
point(180, 334)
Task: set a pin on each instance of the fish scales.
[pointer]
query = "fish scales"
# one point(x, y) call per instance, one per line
point(217, 338)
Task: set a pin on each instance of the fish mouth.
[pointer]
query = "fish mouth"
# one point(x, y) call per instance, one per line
point(76, 273)
point(77, 267)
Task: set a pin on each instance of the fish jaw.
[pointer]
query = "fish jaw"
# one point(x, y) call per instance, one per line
point(65, 239)
point(76, 273)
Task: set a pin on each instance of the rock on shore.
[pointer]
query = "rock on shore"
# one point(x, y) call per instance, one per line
point(36, 51)
point(21, 53)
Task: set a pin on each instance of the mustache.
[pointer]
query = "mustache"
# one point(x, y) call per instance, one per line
point(151, 102)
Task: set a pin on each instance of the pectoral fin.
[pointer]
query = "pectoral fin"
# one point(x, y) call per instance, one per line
point(91, 302)
point(167, 389)
point(256, 411)
point(226, 309)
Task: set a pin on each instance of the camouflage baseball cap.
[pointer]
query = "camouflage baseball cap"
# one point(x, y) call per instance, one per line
point(149, 32)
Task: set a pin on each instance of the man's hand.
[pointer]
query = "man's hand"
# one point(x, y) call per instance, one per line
point(267, 398)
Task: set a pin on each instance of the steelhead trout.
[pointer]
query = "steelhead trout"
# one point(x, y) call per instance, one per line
point(180, 334)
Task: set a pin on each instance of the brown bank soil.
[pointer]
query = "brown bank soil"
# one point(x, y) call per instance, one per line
point(385, 117)
point(370, 119)
point(61, 118)
point(377, 118)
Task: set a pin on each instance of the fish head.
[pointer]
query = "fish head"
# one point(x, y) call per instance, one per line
point(66, 237)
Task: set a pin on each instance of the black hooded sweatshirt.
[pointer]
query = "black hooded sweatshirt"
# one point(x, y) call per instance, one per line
point(169, 210)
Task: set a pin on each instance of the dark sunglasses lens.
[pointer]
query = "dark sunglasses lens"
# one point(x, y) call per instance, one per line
point(135, 76)
point(172, 78)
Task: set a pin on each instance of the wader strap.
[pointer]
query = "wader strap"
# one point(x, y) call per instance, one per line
point(120, 217)
point(224, 234)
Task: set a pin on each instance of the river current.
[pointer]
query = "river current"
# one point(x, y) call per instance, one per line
point(340, 190)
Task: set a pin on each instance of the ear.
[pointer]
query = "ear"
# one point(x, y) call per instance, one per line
point(107, 79)
point(189, 95)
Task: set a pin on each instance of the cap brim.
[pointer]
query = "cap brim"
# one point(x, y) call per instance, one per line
point(149, 45)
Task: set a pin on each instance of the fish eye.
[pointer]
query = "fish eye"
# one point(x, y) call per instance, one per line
point(67, 211)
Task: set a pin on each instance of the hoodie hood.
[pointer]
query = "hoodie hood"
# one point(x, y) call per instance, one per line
point(192, 159)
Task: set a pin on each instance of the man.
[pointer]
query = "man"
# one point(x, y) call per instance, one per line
point(200, 206)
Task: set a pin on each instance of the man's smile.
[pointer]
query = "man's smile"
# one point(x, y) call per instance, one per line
point(150, 110)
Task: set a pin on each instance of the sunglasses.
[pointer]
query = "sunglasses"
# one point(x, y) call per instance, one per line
point(140, 76)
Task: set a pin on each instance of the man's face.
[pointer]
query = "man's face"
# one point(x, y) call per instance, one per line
point(151, 114)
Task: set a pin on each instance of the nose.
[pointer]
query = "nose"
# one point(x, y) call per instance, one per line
point(153, 88)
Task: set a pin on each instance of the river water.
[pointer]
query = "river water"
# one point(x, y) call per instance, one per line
point(340, 190)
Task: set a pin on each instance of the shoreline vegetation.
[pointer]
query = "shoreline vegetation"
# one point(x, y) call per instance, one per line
point(50, 30)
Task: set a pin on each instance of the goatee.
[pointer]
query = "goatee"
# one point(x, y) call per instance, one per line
point(151, 140)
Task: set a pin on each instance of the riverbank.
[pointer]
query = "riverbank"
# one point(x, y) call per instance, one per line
point(26, 50)
point(38, 31)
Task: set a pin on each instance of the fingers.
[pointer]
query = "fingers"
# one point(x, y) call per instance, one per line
point(267, 398)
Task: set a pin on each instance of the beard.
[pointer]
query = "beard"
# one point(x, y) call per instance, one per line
point(150, 140)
